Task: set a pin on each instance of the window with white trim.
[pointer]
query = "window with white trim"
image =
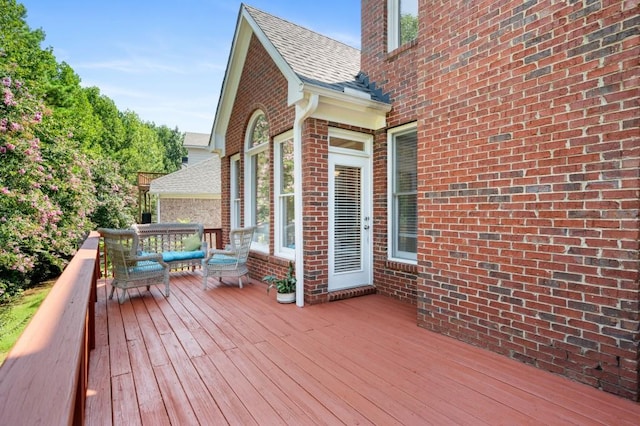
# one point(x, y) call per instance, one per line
point(257, 185)
point(403, 22)
point(234, 190)
point(284, 229)
point(403, 193)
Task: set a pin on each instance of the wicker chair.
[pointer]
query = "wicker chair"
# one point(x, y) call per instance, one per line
point(231, 262)
point(131, 269)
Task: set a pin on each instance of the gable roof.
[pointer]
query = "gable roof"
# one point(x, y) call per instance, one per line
point(311, 63)
point(201, 179)
point(315, 58)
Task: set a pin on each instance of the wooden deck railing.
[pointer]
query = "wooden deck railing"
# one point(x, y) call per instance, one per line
point(44, 378)
point(213, 237)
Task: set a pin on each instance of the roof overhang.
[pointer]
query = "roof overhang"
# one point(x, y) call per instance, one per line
point(353, 108)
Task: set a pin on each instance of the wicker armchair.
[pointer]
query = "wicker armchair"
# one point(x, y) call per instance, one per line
point(131, 269)
point(231, 262)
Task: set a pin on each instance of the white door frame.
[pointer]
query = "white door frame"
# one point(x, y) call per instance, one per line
point(360, 159)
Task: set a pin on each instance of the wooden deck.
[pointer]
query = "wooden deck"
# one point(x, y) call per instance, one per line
point(231, 355)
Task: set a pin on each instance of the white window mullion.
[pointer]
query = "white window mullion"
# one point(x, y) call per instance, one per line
point(284, 217)
point(403, 220)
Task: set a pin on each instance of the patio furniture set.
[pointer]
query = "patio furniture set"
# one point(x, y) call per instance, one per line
point(144, 255)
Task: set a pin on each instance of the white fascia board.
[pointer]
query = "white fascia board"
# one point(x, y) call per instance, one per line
point(245, 27)
point(349, 109)
point(230, 83)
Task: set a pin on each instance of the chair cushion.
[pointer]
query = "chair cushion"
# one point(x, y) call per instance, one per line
point(169, 256)
point(222, 259)
point(146, 266)
point(192, 243)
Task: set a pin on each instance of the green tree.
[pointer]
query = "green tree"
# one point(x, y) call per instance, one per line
point(408, 28)
point(115, 197)
point(46, 192)
point(20, 47)
point(110, 132)
point(172, 141)
point(142, 151)
point(68, 156)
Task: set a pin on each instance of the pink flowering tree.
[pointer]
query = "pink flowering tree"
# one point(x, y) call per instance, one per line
point(46, 192)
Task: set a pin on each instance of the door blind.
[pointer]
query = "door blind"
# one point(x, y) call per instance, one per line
point(347, 219)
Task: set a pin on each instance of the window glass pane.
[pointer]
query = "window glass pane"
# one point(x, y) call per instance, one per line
point(286, 178)
point(286, 198)
point(288, 225)
point(346, 143)
point(347, 219)
point(260, 131)
point(406, 163)
point(261, 179)
point(407, 225)
point(408, 20)
point(405, 186)
point(235, 193)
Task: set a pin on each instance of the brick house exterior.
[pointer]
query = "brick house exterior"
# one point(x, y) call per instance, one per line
point(527, 171)
point(191, 194)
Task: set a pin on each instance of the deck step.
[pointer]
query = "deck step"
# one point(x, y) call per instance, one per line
point(352, 292)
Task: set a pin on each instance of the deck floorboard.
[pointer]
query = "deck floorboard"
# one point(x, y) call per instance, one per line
point(227, 355)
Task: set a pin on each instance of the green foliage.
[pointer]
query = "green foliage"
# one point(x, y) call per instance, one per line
point(408, 28)
point(172, 141)
point(20, 45)
point(115, 199)
point(68, 155)
point(15, 317)
point(286, 284)
point(45, 190)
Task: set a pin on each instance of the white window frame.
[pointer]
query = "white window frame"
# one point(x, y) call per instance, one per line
point(280, 199)
point(393, 25)
point(394, 254)
point(249, 181)
point(366, 140)
point(234, 192)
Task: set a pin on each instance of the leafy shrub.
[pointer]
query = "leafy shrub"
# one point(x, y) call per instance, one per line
point(46, 191)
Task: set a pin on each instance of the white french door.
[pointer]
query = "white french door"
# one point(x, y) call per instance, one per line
point(350, 253)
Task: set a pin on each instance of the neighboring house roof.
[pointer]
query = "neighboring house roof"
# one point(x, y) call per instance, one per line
point(195, 140)
point(201, 179)
point(312, 64)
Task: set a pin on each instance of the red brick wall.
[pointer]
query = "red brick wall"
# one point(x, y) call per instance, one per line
point(529, 154)
point(396, 74)
point(315, 181)
point(263, 87)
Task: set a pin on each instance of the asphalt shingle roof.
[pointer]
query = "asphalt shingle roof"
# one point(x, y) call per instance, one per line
point(201, 178)
point(315, 58)
point(196, 139)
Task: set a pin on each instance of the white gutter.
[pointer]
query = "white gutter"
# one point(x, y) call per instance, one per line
point(362, 100)
point(303, 111)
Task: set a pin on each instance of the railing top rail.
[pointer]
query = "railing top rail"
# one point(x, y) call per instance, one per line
point(39, 379)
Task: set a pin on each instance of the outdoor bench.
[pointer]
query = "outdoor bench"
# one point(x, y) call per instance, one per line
point(181, 244)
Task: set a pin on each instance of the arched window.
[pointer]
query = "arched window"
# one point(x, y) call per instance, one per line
point(257, 180)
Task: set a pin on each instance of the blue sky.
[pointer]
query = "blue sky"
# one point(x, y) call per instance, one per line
point(164, 59)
